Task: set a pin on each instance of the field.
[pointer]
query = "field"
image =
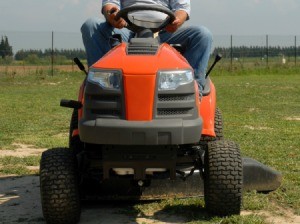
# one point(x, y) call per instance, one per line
point(261, 111)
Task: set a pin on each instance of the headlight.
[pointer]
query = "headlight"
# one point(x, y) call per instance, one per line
point(106, 79)
point(171, 80)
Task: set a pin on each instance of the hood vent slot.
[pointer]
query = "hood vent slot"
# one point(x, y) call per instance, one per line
point(142, 46)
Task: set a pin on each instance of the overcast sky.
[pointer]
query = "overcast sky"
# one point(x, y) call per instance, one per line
point(236, 17)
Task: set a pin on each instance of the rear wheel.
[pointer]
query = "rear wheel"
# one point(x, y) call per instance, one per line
point(59, 186)
point(223, 176)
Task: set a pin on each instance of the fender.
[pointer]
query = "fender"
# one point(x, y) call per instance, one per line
point(80, 111)
point(207, 112)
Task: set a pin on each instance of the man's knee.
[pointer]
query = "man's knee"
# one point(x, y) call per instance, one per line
point(91, 24)
point(202, 33)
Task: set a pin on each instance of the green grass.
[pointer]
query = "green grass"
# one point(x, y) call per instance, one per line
point(191, 210)
point(261, 113)
point(30, 111)
point(260, 107)
point(16, 165)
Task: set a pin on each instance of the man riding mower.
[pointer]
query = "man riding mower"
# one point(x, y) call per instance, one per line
point(139, 130)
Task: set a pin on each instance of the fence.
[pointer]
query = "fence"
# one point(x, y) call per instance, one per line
point(243, 51)
point(259, 51)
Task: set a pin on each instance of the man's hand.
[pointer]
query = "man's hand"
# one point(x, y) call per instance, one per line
point(181, 17)
point(110, 12)
point(171, 28)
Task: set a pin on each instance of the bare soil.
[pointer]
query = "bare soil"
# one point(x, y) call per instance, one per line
point(20, 203)
point(281, 216)
point(292, 118)
point(21, 150)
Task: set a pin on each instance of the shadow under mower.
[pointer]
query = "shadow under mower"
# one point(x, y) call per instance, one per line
point(140, 131)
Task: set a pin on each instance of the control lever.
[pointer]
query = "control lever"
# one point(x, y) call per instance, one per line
point(80, 65)
point(217, 59)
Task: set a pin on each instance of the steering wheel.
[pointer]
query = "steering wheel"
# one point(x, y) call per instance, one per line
point(123, 13)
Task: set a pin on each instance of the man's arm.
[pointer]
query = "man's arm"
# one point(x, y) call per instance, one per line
point(184, 5)
point(182, 9)
point(109, 10)
point(181, 17)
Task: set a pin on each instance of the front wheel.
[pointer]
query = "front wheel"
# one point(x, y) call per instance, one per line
point(59, 186)
point(223, 178)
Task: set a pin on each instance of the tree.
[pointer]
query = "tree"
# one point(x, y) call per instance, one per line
point(5, 48)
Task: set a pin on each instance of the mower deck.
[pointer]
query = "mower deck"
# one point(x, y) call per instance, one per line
point(257, 176)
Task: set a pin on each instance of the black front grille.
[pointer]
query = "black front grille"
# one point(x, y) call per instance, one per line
point(166, 98)
point(174, 111)
point(103, 105)
point(176, 105)
point(102, 102)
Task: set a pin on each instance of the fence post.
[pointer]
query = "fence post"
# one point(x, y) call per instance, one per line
point(267, 49)
point(52, 55)
point(295, 50)
point(231, 52)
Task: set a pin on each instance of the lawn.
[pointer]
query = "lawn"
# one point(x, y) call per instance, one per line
point(261, 111)
point(262, 114)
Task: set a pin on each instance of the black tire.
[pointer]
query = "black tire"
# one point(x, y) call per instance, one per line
point(223, 178)
point(59, 186)
point(75, 144)
point(218, 126)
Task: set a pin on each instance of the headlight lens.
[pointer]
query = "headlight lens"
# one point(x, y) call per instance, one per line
point(171, 80)
point(106, 79)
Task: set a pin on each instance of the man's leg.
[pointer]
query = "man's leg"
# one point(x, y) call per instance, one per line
point(96, 34)
point(198, 42)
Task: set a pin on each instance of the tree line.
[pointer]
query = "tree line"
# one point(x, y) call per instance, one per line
point(257, 51)
point(5, 48)
point(37, 56)
point(68, 54)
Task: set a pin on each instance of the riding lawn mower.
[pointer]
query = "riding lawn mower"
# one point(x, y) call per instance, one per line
point(141, 130)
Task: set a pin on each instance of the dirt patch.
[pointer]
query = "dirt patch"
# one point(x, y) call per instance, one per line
point(252, 109)
point(20, 202)
point(292, 118)
point(257, 128)
point(282, 216)
point(19, 199)
point(22, 150)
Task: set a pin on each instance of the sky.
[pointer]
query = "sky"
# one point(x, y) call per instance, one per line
point(222, 17)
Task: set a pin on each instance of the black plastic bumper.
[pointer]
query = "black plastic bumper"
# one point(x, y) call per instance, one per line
point(155, 132)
